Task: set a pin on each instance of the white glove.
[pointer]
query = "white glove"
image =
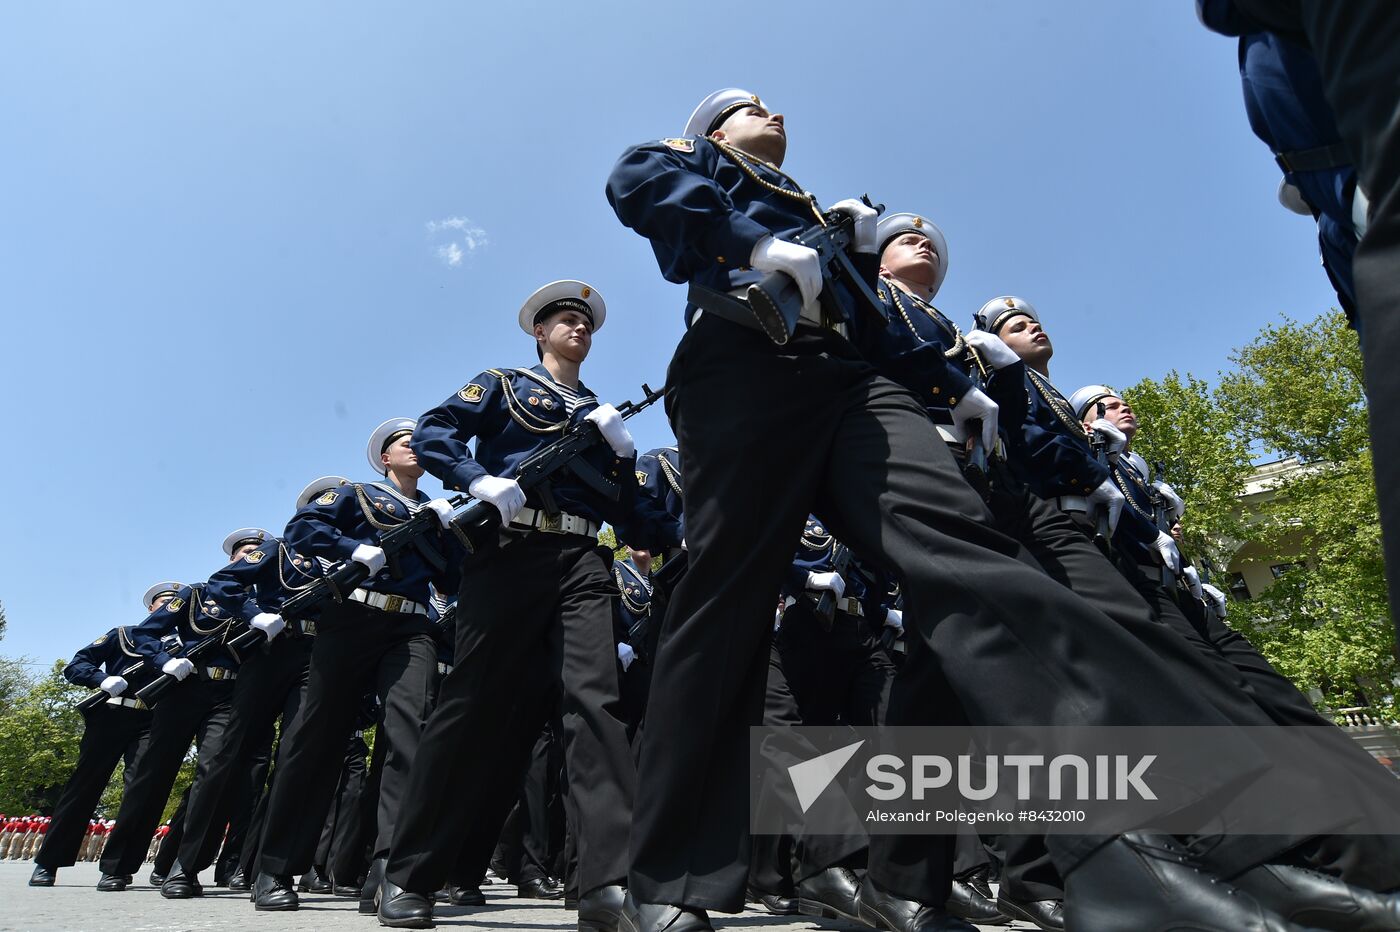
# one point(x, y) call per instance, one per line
point(1216, 598)
point(800, 263)
point(1173, 501)
point(830, 581)
point(865, 220)
point(113, 686)
point(1166, 550)
point(626, 655)
point(1114, 439)
point(371, 558)
point(505, 494)
point(443, 509)
point(894, 618)
point(269, 624)
point(975, 405)
point(613, 429)
point(1108, 496)
point(178, 667)
point(1193, 581)
point(990, 347)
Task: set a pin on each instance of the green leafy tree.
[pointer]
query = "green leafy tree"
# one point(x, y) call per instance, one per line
point(1294, 391)
point(39, 734)
point(1203, 456)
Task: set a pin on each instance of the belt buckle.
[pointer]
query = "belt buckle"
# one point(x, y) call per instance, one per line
point(215, 673)
point(308, 627)
point(554, 522)
point(139, 704)
point(393, 603)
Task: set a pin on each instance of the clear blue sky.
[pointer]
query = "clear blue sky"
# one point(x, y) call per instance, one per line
point(235, 237)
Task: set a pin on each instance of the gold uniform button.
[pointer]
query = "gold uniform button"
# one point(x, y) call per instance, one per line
point(935, 389)
point(952, 401)
point(719, 259)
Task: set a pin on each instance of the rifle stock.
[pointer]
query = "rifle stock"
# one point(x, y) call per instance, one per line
point(775, 299)
point(826, 602)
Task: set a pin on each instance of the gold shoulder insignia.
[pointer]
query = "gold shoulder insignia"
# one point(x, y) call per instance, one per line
point(641, 477)
point(99, 641)
point(496, 372)
point(174, 605)
point(680, 145)
point(472, 393)
point(255, 556)
point(328, 498)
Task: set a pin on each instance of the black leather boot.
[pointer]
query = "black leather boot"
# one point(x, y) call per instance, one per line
point(42, 876)
point(831, 894)
point(966, 903)
point(598, 910)
point(274, 893)
point(881, 909)
point(400, 909)
point(660, 917)
point(180, 885)
point(1309, 898)
point(1141, 881)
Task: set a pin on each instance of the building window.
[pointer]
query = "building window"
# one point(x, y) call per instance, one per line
point(1278, 569)
point(1239, 589)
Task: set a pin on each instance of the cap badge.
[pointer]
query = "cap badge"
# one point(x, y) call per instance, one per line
point(586, 292)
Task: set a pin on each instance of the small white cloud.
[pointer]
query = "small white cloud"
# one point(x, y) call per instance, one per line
point(465, 238)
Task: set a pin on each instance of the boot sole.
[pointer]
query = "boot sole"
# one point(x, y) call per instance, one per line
point(823, 910)
point(407, 923)
point(277, 908)
point(1016, 913)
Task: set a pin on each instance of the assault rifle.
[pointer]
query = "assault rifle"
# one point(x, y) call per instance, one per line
point(976, 468)
point(776, 301)
point(889, 636)
point(96, 699)
point(151, 693)
point(826, 603)
point(1159, 518)
point(667, 578)
point(1102, 531)
point(478, 525)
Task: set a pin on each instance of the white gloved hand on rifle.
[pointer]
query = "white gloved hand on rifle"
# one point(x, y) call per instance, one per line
point(113, 686)
point(800, 263)
point(866, 219)
point(976, 405)
point(505, 494)
point(269, 623)
point(178, 667)
point(614, 430)
point(831, 582)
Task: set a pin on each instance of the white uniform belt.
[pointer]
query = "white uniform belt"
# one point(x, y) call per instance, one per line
point(1072, 503)
point(216, 673)
point(305, 626)
point(952, 433)
point(535, 519)
point(444, 668)
point(388, 603)
point(851, 607)
point(127, 703)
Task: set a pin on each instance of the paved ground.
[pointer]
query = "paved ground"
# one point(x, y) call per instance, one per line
point(74, 906)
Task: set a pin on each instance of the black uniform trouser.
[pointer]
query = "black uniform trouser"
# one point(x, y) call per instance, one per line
point(1371, 861)
point(248, 795)
point(537, 700)
point(524, 842)
point(818, 677)
point(270, 683)
point(1355, 43)
point(349, 797)
point(198, 709)
point(169, 846)
point(1010, 648)
point(108, 732)
point(538, 596)
point(354, 645)
point(351, 846)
